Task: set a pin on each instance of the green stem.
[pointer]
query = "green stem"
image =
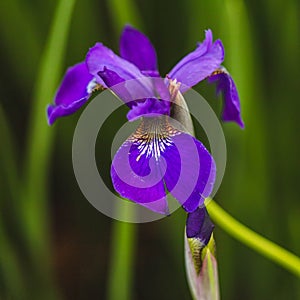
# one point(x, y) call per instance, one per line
point(122, 258)
point(253, 240)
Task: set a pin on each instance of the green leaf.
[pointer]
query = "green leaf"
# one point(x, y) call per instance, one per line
point(40, 141)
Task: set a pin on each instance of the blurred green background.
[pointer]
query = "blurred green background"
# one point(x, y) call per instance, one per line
point(53, 243)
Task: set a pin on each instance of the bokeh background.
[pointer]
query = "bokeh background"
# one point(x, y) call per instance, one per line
point(53, 243)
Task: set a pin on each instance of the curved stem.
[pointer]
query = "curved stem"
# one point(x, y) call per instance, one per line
point(253, 240)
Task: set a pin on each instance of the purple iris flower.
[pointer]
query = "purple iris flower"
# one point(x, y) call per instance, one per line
point(103, 69)
point(159, 157)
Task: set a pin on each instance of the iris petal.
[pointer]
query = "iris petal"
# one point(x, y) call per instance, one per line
point(100, 57)
point(127, 90)
point(138, 94)
point(137, 48)
point(199, 225)
point(57, 111)
point(199, 64)
point(138, 177)
point(149, 107)
point(72, 93)
point(191, 171)
point(158, 156)
point(226, 86)
point(116, 84)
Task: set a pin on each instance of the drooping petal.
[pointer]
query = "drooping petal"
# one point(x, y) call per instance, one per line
point(137, 48)
point(57, 111)
point(158, 156)
point(191, 171)
point(193, 164)
point(199, 64)
point(136, 173)
point(72, 93)
point(226, 86)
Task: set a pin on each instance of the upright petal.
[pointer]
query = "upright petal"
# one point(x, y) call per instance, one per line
point(100, 57)
point(198, 64)
point(226, 86)
point(206, 44)
point(72, 93)
point(137, 48)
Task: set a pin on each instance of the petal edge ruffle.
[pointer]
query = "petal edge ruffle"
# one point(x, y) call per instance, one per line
point(199, 64)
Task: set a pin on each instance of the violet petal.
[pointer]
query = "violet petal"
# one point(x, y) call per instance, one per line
point(128, 90)
point(158, 155)
point(199, 225)
point(137, 48)
point(191, 171)
point(100, 56)
point(116, 84)
point(199, 64)
point(138, 177)
point(232, 106)
point(72, 93)
point(149, 107)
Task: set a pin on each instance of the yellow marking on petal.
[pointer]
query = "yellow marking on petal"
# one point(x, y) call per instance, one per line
point(98, 87)
point(153, 136)
point(218, 71)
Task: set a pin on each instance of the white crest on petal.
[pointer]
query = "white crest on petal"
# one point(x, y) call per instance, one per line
point(153, 137)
